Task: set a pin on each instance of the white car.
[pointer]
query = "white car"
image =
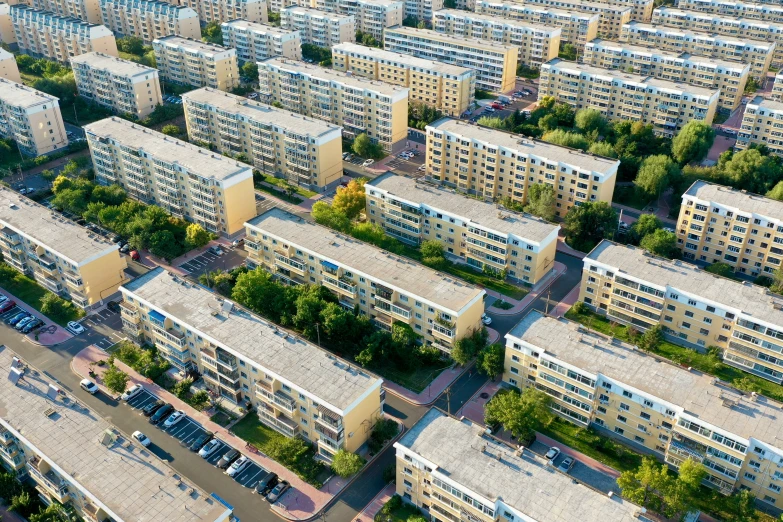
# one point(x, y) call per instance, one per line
point(668, 229)
point(368, 162)
point(422, 168)
point(253, 95)
point(174, 418)
point(552, 454)
point(89, 386)
point(489, 109)
point(238, 465)
point(141, 438)
point(75, 327)
point(209, 448)
point(132, 392)
point(486, 319)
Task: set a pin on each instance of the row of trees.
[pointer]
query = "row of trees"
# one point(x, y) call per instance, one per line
point(420, 115)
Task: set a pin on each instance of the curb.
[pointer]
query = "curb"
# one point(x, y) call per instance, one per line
point(378, 495)
point(538, 294)
point(433, 401)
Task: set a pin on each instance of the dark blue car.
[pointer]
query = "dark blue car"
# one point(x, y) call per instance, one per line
point(18, 317)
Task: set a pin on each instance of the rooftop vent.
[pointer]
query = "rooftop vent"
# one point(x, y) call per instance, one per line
point(48, 412)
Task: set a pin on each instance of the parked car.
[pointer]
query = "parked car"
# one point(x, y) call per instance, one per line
point(215, 249)
point(238, 465)
point(200, 441)
point(18, 317)
point(75, 327)
point(132, 392)
point(368, 162)
point(7, 305)
point(135, 255)
point(113, 306)
point(552, 454)
point(141, 438)
point(238, 242)
point(346, 154)
point(422, 168)
point(21, 324)
point(497, 106)
point(265, 485)
point(32, 325)
point(487, 320)
point(89, 386)
point(116, 239)
point(174, 418)
point(162, 413)
point(668, 229)
point(489, 109)
point(566, 465)
point(3, 298)
point(151, 408)
point(253, 95)
point(228, 458)
point(730, 132)
point(349, 157)
point(125, 248)
point(278, 491)
point(209, 448)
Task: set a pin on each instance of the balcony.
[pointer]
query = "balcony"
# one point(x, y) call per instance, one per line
point(281, 424)
point(170, 335)
point(339, 285)
point(264, 391)
point(48, 481)
point(284, 401)
point(290, 263)
point(129, 312)
point(226, 359)
point(398, 311)
point(439, 331)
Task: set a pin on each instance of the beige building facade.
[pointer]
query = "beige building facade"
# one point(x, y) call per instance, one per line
point(304, 150)
point(536, 43)
point(31, 118)
point(295, 388)
point(85, 10)
point(149, 19)
point(482, 235)
point(768, 10)
point(7, 33)
point(184, 61)
point(777, 88)
point(642, 9)
point(612, 15)
point(227, 10)
point(449, 88)
point(729, 77)
point(319, 28)
point(359, 105)
point(8, 68)
point(384, 287)
point(495, 63)
point(496, 164)
point(422, 9)
point(762, 124)
point(371, 16)
point(123, 86)
point(255, 41)
point(188, 181)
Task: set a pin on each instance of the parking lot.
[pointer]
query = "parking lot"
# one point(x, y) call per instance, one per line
point(208, 261)
point(16, 309)
point(107, 322)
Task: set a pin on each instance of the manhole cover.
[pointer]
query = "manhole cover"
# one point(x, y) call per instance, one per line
point(484, 395)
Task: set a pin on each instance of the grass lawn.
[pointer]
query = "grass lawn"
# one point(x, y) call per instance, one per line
point(503, 305)
point(28, 291)
point(414, 380)
point(627, 195)
point(281, 183)
point(222, 418)
point(720, 117)
point(478, 278)
point(278, 194)
point(402, 513)
point(601, 448)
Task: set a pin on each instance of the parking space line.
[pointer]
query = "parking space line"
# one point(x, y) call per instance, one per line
point(250, 482)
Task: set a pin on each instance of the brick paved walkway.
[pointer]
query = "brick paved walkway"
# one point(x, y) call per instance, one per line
point(568, 301)
point(45, 339)
point(375, 505)
point(519, 305)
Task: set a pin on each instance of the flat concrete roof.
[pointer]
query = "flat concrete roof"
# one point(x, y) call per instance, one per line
point(316, 12)
point(20, 95)
point(332, 380)
point(126, 480)
point(524, 145)
point(388, 57)
point(45, 226)
point(741, 200)
point(523, 226)
point(686, 13)
point(766, 103)
point(570, 13)
point(197, 160)
point(466, 456)
point(362, 258)
point(451, 39)
point(203, 48)
point(693, 391)
point(673, 55)
point(511, 22)
point(745, 42)
point(116, 66)
point(256, 27)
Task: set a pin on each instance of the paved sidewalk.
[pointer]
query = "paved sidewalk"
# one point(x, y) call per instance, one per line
point(567, 302)
point(45, 339)
point(564, 248)
point(10, 516)
point(375, 505)
point(540, 287)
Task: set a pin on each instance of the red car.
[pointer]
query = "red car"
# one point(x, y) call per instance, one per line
point(497, 106)
point(7, 306)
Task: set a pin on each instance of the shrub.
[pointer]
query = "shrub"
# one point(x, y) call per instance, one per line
point(579, 307)
point(346, 463)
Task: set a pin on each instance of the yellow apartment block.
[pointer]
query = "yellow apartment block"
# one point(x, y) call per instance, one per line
point(97, 471)
point(536, 43)
point(296, 388)
point(768, 10)
point(777, 88)
point(184, 61)
point(7, 33)
point(762, 122)
point(256, 41)
point(226, 10)
point(8, 68)
point(422, 9)
point(729, 77)
point(612, 15)
point(31, 118)
point(384, 287)
point(719, 24)
point(372, 16)
point(482, 235)
point(757, 53)
point(495, 63)
point(86, 10)
point(648, 402)
point(454, 470)
point(61, 256)
point(124, 86)
point(304, 150)
point(665, 105)
point(46, 35)
point(577, 27)
point(642, 9)
point(694, 307)
point(495, 164)
point(449, 88)
point(149, 19)
point(319, 28)
point(359, 105)
point(188, 181)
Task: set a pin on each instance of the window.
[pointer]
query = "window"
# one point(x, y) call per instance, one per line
point(622, 419)
point(627, 394)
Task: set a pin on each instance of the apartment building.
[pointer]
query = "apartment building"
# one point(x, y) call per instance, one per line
point(123, 86)
point(577, 28)
point(536, 43)
point(371, 16)
point(453, 469)
point(8, 68)
point(7, 33)
point(768, 10)
point(319, 28)
point(665, 105)
point(648, 402)
point(149, 19)
point(359, 105)
point(761, 124)
point(85, 10)
point(757, 53)
point(31, 118)
point(495, 63)
point(612, 16)
point(255, 41)
point(729, 77)
point(694, 307)
point(496, 164)
point(295, 387)
point(304, 150)
point(184, 61)
point(482, 235)
point(422, 9)
point(188, 181)
point(719, 24)
point(46, 35)
point(90, 466)
point(227, 10)
point(384, 287)
point(777, 88)
point(60, 255)
point(449, 88)
point(642, 9)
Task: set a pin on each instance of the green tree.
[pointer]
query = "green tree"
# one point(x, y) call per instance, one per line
point(645, 225)
point(346, 463)
point(589, 120)
point(351, 199)
point(115, 379)
point(489, 361)
point(257, 290)
point(541, 201)
point(171, 130)
point(651, 339)
point(520, 413)
point(212, 33)
point(493, 122)
point(586, 225)
point(432, 254)
point(721, 269)
point(693, 142)
point(568, 52)
point(661, 243)
point(740, 506)
point(602, 148)
point(656, 173)
point(56, 308)
point(21, 502)
point(130, 45)
point(54, 512)
point(776, 192)
point(564, 138)
point(250, 70)
point(751, 170)
point(196, 235)
point(364, 147)
point(548, 123)
point(182, 388)
point(325, 215)
point(652, 486)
